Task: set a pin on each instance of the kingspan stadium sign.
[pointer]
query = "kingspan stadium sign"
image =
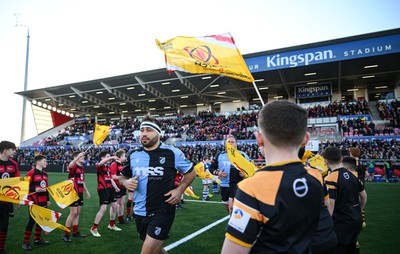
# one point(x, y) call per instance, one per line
point(335, 52)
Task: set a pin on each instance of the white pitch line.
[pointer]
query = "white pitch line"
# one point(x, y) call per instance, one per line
point(198, 232)
point(201, 201)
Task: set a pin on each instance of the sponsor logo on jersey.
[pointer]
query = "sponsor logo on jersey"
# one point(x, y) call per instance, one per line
point(300, 187)
point(239, 220)
point(148, 171)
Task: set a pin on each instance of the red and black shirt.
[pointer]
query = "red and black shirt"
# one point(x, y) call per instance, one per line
point(116, 169)
point(77, 174)
point(103, 177)
point(38, 179)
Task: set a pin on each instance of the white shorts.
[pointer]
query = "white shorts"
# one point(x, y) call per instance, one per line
point(206, 181)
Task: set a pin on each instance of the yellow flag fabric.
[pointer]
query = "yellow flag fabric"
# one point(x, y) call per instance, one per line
point(318, 162)
point(63, 193)
point(189, 192)
point(15, 201)
point(14, 187)
point(100, 133)
point(239, 161)
point(214, 54)
point(199, 167)
point(46, 218)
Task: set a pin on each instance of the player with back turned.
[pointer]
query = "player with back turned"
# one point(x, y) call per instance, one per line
point(277, 209)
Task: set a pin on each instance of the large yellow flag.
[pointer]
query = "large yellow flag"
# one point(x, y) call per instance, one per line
point(100, 133)
point(14, 187)
point(46, 218)
point(215, 54)
point(63, 193)
point(239, 161)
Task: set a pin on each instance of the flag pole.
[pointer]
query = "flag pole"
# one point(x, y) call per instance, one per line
point(88, 147)
point(258, 93)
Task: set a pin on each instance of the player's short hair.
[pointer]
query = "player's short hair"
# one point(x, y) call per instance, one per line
point(332, 155)
point(351, 162)
point(38, 157)
point(206, 157)
point(231, 136)
point(5, 145)
point(284, 123)
point(355, 152)
point(103, 154)
point(119, 153)
point(75, 154)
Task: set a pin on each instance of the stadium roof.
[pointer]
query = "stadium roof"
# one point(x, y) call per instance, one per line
point(160, 92)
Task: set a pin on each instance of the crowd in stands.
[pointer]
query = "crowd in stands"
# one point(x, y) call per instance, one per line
point(361, 127)
point(359, 107)
point(211, 126)
point(370, 149)
point(390, 111)
point(374, 149)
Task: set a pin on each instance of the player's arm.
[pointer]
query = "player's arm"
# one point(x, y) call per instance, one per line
point(363, 199)
point(231, 247)
point(114, 185)
point(86, 190)
point(126, 180)
point(105, 160)
point(331, 205)
point(73, 162)
point(188, 178)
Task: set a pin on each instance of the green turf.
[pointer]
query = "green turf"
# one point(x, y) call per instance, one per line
point(382, 213)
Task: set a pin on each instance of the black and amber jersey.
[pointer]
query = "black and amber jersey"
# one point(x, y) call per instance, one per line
point(344, 188)
point(277, 210)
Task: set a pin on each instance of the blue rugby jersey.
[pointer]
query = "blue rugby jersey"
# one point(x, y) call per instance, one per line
point(225, 165)
point(157, 170)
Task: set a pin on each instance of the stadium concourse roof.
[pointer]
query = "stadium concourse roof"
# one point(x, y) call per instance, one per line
point(159, 92)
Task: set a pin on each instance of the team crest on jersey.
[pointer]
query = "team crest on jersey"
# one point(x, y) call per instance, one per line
point(5, 175)
point(162, 160)
point(157, 231)
point(43, 184)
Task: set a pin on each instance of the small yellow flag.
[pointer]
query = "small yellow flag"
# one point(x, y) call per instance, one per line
point(100, 133)
point(63, 193)
point(318, 162)
point(199, 167)
point(189, 192)
point(214, 54)
point(239, 161)
point(14, 187)
point(46, 218)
